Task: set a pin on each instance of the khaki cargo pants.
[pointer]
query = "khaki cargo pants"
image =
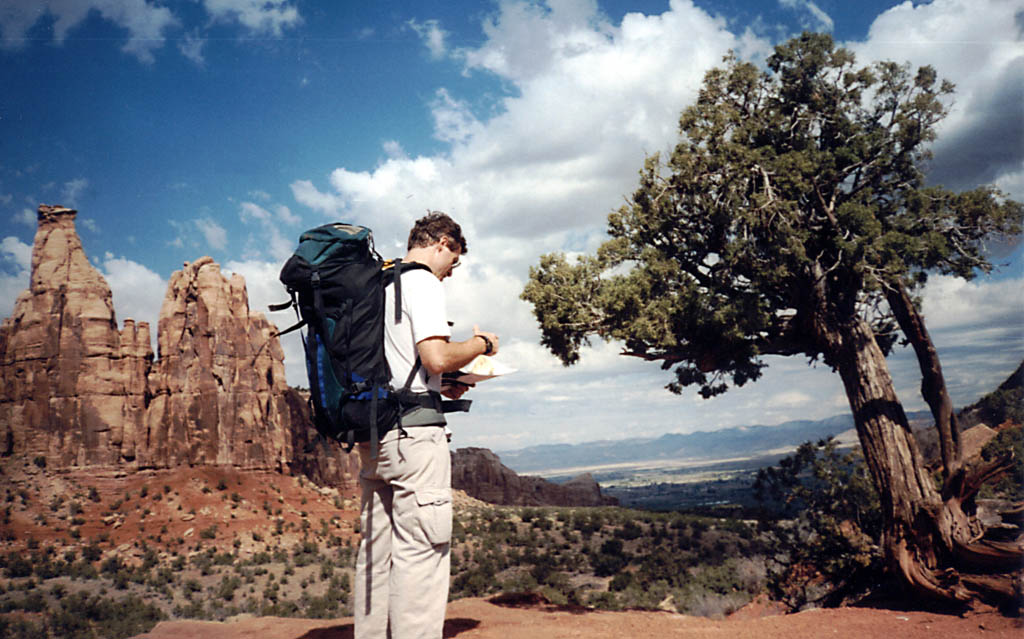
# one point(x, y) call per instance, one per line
point(403, 565)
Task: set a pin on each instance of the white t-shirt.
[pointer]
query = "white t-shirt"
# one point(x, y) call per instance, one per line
point(423, 315)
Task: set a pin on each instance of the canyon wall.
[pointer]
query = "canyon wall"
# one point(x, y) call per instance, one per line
point(78, 391)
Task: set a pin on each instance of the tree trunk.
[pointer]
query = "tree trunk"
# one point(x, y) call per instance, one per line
point(928, 540)
point(933, 384)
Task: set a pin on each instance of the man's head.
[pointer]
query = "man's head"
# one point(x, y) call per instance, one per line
point(436, 240)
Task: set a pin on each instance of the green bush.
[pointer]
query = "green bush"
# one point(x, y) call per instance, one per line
point(84, 616)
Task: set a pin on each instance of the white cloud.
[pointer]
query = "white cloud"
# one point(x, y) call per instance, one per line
point(789, 399)
point(975, 44)
point(586, 101)
point(89, 224)
point(138, 292)
point(307, 194)
point(16, 252)
point(144, 22)
point(25, 216)
point(16, 260)
point(433, 36)
point(953, 303)
point(453, 120)
point(73, 190)
point(215, 234)
point(271, 240)
point(271, 17)
point(815, 19)
point(191, 46)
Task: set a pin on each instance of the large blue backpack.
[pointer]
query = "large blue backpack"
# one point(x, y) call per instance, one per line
point(336, 281)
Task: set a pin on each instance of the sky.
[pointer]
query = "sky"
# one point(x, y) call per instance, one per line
point(227, 127)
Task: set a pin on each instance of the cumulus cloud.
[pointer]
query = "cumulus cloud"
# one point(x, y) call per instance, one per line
point(25, 216)
point(812, 17)
point(976, 45)
point(146, 23)
point(15, 265)
point(587, 100)
point(191, 46)
point(137, 291)
point(73, 190)
point(270, 238)
point(433, 36)
point(215, 234)
point(270, 17)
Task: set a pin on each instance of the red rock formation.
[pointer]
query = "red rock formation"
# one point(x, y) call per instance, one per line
point(218, 384)
point(73, 386)
point(481, 474)
point(79, 392)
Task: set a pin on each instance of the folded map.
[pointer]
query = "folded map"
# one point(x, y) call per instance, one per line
point(481, 368)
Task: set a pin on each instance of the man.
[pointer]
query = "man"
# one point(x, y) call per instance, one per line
point(403, 566)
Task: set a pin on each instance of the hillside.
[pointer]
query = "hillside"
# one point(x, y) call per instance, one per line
point(736, 442)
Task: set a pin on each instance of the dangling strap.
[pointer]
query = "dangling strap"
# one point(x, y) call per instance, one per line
point(397, 278)
point(283, 305)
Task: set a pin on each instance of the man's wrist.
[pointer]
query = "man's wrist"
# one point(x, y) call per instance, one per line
point(488, 344)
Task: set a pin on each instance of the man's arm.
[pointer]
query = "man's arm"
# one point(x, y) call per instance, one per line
point(438, 355)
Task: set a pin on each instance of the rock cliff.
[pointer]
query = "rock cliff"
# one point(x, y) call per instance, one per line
point(481, 474)
point(72, 387)
point(79, 392)
point(218, 383)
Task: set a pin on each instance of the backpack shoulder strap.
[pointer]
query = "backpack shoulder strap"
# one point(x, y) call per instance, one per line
point(393, 270)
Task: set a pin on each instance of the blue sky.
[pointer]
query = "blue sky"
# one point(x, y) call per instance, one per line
point(226, 127)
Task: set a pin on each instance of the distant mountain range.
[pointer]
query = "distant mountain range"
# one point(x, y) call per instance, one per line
point(743, 441)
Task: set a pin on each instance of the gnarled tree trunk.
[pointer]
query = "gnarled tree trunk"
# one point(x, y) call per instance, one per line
point(928, 539)
point(933, 383)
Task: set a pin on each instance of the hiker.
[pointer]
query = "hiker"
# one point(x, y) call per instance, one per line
point(403, 565)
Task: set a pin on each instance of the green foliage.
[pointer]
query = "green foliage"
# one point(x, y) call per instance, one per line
point(794, 198)
point(831, 517)
point(84, 616)
point(1009, 441)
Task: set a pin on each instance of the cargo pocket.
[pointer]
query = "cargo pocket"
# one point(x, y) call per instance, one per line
point(434, 511)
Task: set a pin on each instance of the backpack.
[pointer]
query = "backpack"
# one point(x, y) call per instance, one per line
point(336, 281)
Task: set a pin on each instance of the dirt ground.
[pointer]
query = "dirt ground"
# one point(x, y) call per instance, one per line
point(485, 619)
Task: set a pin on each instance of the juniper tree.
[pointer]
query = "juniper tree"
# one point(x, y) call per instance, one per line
point(793, 219)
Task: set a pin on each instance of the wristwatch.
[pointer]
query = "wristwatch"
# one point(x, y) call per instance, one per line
point(488, 342)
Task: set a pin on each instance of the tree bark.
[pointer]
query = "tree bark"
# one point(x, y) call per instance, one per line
point(933, 384)
point(927, 537)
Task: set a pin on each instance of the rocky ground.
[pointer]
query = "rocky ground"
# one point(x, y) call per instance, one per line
point(172, 517)
point(535, 619)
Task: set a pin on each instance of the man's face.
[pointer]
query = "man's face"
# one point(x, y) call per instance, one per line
point(448, 259)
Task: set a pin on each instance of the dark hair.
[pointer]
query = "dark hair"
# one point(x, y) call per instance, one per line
point(433, 227)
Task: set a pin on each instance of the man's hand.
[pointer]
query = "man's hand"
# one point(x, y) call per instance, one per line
point(456, 390)
point(439, 355)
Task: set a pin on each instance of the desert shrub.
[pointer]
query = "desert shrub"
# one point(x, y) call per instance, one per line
point(621, 581)
point(31, 602)
point(610, 559)
point(1011, 485)
point(473, 583)
point(833, 519)
point(84, 616)
point(226, 588)
point(630, 530)
point(16, 628)
point(702, 603)
point(18, 566)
